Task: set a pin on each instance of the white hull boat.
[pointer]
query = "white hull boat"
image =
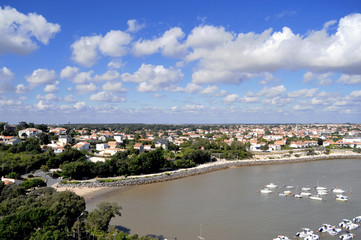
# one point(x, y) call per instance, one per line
point(316, 198)
point(304, 233)
point(271, 185)
point(338, 190)
point(281, 237)
point(312, 237)
point(305, 189)
point(306, 194)
point(266, 190)
point(342, 198)
point(347, 236)
point(357, 219)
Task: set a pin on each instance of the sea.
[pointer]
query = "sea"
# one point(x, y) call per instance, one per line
point(227, 204)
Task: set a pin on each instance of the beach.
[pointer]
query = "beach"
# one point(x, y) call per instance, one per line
point(90, 188)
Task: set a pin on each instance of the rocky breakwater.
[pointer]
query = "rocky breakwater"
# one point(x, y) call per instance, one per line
point(205, 168)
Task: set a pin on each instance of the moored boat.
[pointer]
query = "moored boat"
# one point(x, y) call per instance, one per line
point(304, 233)
point(271, 185)
point(357, 219)
point(338, 190)
point(281, 237)
point(347, 236)
point(266, 190)
point(315, 197)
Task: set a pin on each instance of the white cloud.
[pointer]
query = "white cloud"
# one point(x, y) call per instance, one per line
point(18, 31)
point(114, 86)
point(21, 89)
point(69, 72)
point(69, 98)
point(209, 90)
point(302, 107)
point(42, 105)
point(193, 107)
point(249, 98)
point(79, 105)
point(268, 77)
point(322, 79)
point(355, 94)
point(47, 97)
point(303, 92)
point(52, 87)
point(86, 88)
point(208, 37)
point(168, 44)
point(4, 101)
point(231, 98)
point(106, 97)
point(107, 76)
point(85, 50)
point(272, 92)
point(210, 76)
point(42, 76)
point(5, 77)
point(153, 78)
point(349, 79)
point(114, 43)
point(116, 64)
point(134, 26)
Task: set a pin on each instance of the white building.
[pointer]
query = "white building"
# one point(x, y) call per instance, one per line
point(29, 132)
point(101, 146)
point(118, 138)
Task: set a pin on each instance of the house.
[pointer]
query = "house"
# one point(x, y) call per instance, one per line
point(8, 181)
point(58, 131)
point(113, 144)
point(163, 143)
point(64, 139)
point(101, 146)
point(112, 151)
point(10, 140)
point(118, 138)
point(82, 146)
point(139, 146)
point(147, 147)
point(29, 132)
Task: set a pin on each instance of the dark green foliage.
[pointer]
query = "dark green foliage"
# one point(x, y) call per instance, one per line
point(99, 219)
point(32, 183)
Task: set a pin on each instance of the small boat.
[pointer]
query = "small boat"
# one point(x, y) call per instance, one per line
point(345, 222)
point(338, 190)
point(298, 196)
point(321, 188)
point(289, 187)
point(347, 236)
point(334, 231)
point(271, 185)
point(312, 237)
point(305, 194)
point(322, 192)
point(281, 237)
point(304, 233)
point(283, 194)
point(305, 189)
point(287, 192)
point(325, 228)
point(266, 190)
point(315, 197)
point(352, 226)
point(357, 219)
point(342, 198)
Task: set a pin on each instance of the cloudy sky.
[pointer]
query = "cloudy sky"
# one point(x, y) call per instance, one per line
point(185, 61)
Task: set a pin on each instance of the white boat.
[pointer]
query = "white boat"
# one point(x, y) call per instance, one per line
point(321, 188)
point(322, 192)
point(312, 237)
point(352, 226)
point(281, 237)
point(298, 196)
point(305, 194)
point(315, 197)
point(325, 228)
point(266, 190)
point(271, 185)
point(357, 219)
point(334, 231)
point(342, 198)
point(287, 192)
point(345, 222)
point(338, 190)
point(289, 187)
point(283, 194)
point(347, 236)
point(305, 189)
point(304, 233)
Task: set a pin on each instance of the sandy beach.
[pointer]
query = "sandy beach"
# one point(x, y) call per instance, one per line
point(90, 188)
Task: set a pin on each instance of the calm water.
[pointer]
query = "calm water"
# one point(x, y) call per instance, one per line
point(228, 204)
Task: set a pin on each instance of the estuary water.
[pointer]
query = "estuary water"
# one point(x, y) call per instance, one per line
point(227, 204)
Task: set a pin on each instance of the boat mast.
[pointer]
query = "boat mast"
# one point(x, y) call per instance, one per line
point(200, 236)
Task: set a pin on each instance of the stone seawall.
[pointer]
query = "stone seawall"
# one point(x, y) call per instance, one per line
point(205, 168)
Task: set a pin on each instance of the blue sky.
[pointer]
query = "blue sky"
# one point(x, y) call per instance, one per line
point(180, 61)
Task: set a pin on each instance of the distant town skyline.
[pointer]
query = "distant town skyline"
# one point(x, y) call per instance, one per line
point(187, 62)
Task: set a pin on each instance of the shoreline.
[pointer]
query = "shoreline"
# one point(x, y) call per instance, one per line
point(88, 188)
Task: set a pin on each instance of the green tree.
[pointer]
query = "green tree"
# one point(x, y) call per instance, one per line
point(98, 220)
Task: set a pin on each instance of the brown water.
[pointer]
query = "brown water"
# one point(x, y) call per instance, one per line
point(228, 204)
